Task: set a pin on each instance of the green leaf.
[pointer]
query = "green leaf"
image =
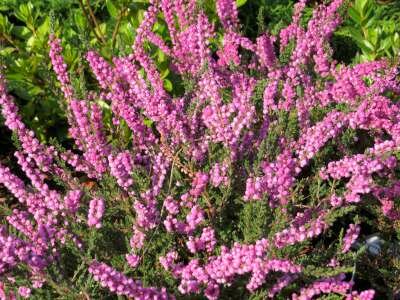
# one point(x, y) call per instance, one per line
point(24, 12)
point(140, 16)
point(370, 22)
point(80, 21)
point(7, 51)
point(4, 7)
point(35, 90)
point(369, 45)
point(148, 122)
point(374, 35)
point(355, 15)
point(102, 29)
point(386, 44)
point(112, 9)
point(168, 85)
point(240, 3)
point(161, 57)
point(369, 12)
point(21, 32)
point(5, 25)
point(30, 42)
point(356, 35)
point(360, 6)
point(365, 50)
point(164, 73)
point(104, 104)
point(44, 28)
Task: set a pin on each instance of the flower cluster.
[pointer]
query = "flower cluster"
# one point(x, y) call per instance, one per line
point(122, 285)
point(239, 260)
point(351, 236)
point(332, 285)
point(205, 242)
point(96, 211)
point(121, 167)
point(295, 234)
point(173, 175)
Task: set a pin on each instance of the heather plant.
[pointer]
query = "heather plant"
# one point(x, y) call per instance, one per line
point(258, 174)
point(109, 26)
point(25, 26)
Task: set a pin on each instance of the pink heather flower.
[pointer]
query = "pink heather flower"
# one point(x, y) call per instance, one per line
point(3, 294)
point(283, 281)
point(96, 211)
point(59, 67)
point(277, 180)
point(265, 51)
point(333, 263)
point(87, 132)
point(167, 8)
point(72, 200)
point(13, 183)
point(133, 260)
point(147, 214)
point(295, 234)
point(229, 54)
point(212, 291)
point(336, 201)
point(199, 183)
point(24, 292)
point(315, 137)
point(42, 156)
point(351, 236)
point(38, 282)
point(206, 241)
point(204, 32)
point(14, 251)
point(171, 205)
point(324, 286)
point(173, 224)
point(389, 210)
point(195, 217)
point(160, 170)
point(121, 167)
point(137, 239)
point(218, 175)
point(121, 285)
point(168, 261)
point(293, 30)
point(364, 295)
point(20, 220)
point(221, 269)
point(227, 13)
point(101, 69)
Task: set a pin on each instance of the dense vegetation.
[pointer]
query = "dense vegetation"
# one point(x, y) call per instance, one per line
point(199, 149)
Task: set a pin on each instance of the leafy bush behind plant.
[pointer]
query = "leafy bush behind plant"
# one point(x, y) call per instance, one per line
point(253, 168)
point(25, 27)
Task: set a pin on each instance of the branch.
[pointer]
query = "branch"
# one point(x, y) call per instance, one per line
point(92, 25)
point(114, 35)
point(94, 20)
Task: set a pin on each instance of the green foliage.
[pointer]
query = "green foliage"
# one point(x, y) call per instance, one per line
point(254, 220)
point(373, 27)
point(24, 30)
point(262, 16)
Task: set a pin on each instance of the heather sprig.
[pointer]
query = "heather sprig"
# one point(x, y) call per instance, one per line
point(255, 142)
